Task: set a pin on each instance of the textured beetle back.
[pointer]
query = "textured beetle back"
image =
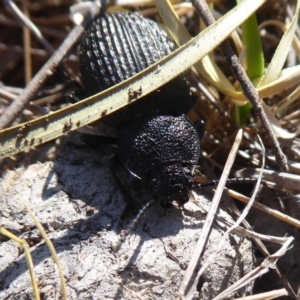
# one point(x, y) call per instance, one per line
point(115, 47)
point(119, 45)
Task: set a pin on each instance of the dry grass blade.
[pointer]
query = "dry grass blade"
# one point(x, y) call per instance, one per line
point(30, 264)
point(51, 249)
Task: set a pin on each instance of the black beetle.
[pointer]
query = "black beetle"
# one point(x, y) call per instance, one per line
point(157, 143)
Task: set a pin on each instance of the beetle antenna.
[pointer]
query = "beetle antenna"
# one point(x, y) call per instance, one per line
point(125, 232)
point(230, 181)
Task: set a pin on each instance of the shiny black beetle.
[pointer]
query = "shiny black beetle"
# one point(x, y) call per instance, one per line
point(157, 142)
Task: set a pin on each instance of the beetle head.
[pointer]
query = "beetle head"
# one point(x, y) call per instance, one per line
point(170, 181)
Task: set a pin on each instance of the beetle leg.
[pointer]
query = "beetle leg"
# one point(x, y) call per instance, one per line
point(124, 233)
point(131, 207)
point(200, 128)
point(96, 140)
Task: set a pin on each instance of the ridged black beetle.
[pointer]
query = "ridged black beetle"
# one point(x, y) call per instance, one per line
point(157, 142)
